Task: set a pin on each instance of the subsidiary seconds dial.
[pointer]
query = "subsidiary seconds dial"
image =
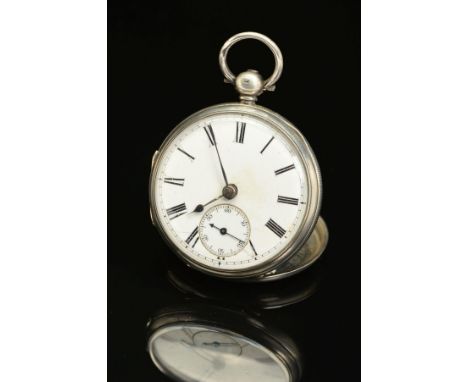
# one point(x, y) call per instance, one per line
point(224, 230)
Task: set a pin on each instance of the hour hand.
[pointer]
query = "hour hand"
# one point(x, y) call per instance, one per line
point(201, 207)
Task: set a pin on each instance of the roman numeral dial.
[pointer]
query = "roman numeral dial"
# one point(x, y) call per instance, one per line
point(205, 156)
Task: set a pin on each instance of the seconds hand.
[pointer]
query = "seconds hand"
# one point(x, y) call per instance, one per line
point(224, 231)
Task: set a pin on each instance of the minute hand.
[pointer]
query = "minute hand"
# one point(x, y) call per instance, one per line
point(217, 152)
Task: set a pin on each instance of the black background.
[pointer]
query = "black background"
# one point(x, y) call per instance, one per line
point(163, 67)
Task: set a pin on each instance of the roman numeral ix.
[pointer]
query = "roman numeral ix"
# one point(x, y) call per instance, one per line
point(284, 169)
point(192, 236)
point(209, 132)
point(240, 132)
point(176, 210)
point(275, 228)
point(288, 200)
point(176, 181)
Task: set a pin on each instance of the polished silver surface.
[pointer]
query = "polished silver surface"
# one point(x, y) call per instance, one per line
point(250, 84)
point(305, 257)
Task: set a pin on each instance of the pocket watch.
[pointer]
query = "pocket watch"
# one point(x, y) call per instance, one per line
point(235, 189)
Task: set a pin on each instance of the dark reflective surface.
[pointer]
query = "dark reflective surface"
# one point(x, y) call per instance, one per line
point(257, 296)
point(306, 309)
point(163, 67)
point(257, 348)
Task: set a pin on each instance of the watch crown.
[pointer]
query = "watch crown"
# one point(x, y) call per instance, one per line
point(250, 85)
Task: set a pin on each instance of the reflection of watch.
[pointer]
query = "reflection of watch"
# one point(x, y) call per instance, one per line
point(264, 296)
point(206, 343)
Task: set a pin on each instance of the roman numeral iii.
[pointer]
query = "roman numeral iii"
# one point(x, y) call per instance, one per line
point(175, 181)
point(288, 200)
point(284, 169)
point(240, 132)
point(275, 228)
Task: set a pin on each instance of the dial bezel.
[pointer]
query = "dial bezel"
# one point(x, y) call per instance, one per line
point(306, 155)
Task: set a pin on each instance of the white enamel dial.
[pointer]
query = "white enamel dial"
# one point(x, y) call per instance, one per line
point(272, 190)
point(224, 230)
